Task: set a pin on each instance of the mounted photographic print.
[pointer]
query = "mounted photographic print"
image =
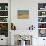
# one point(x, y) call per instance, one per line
point(42, 6)
point(41, 25)
point(41, 19)
point(4, 29)
point(42, 32)
point(23, 14)
point(3, 19)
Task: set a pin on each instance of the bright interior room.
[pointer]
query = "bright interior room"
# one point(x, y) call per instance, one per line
point(22, 22)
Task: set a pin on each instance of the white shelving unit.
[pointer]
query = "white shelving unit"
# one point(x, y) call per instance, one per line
point(4, 22)
point(4, 12)
point(42, 17)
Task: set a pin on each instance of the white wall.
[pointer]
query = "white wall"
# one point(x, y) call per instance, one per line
point(3, 1)
point(22, 24)
point(32, 5)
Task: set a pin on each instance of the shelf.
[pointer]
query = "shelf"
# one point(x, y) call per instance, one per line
point(42, 19)
point(41, 28)
point(42, 16)
point(3, 16)
point(41, 22)
point(3, 10)
point(3, 22)
point(41, 10)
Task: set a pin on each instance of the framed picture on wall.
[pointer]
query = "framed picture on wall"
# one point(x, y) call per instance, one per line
point(23, 14)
